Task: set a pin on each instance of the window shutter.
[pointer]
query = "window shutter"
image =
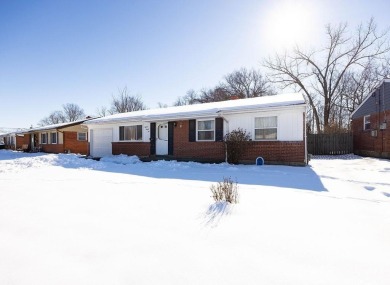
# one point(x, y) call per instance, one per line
point(152, 138)
point(192, 130)
point(121, 133)
point(218, 129)
point(170, 137)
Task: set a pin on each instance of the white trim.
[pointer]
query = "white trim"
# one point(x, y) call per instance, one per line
point(364, 122)
point(254, 129)
point(197, 130)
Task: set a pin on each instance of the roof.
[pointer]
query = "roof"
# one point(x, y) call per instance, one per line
point(205, 109)
point(7, 132)
point(369, 96)
point(56, 126)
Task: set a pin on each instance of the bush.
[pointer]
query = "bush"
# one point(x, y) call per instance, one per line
point(236, 143)
point(226, 191)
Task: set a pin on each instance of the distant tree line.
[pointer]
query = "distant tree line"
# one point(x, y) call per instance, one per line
point(334, 78)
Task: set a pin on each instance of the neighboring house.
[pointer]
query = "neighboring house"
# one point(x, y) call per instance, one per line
point(12, 140)
point(71, 137)
point(370, 123)
point(195, 132)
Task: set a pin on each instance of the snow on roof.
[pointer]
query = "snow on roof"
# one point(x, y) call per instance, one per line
point(57, 126)
point(11, 131)
point(206, 109)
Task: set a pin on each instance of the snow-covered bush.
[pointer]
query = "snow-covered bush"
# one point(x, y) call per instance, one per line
point(225, 191)
point(236, 142)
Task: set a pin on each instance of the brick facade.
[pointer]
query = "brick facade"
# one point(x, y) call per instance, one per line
point(373, 142)
point(273, 152)
point(52, 148)
point(141, 149)
point(73, 145)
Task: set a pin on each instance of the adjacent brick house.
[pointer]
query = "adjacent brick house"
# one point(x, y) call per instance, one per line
point(69, 137)
point(13, 140)
point(370, 123)
point(276, 125)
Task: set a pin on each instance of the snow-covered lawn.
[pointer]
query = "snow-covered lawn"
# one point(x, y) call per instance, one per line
point(70, 220)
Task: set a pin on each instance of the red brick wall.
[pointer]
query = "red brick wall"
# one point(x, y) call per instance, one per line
point(367, 145)
point(183, 149)
point(19, 142)
point(140, 149)
point(75, 146)
point(52, 148)
point(282, 152)
point(272, 151)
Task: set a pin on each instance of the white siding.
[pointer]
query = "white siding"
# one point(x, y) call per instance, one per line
point(60, 138)
point(145, 130)
point(290, 123)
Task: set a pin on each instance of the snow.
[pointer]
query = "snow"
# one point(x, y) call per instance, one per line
point(65, 219)
point(206, 109)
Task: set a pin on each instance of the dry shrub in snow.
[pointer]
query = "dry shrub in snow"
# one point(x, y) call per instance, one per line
point(226, 191)
point(236, 143)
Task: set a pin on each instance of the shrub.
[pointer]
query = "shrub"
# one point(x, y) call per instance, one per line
point(236, 143)
point(226, 191)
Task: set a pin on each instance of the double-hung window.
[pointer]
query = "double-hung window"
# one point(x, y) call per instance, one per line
point(206, 130)
point(266, 128)
point(43, 138)
point(367, 123)
point(82, 136)
point(130, 133)
point(53, 138)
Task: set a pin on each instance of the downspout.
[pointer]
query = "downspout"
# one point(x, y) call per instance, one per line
point(305, 137)
point(227, 131)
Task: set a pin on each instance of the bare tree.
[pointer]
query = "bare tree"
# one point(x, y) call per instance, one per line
point(189, 99)
point(125, 102)
point(216, 94)
point(319, 74)
point(102, 111)
point(161, 105)
point(242, 83)
point(246, 83)
point(55, 117)
point(72, 112)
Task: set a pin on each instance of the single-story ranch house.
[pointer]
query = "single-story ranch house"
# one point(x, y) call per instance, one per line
point(195, 132)
point(370, 128)
point(70, 137)
point(12, 140)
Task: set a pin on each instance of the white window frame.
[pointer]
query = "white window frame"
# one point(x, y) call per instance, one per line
point(201, 130)
point(47, 137)
point(78, 136)
point(273, 127)
point(137, 139)
point(367, 121)
point(56, 138)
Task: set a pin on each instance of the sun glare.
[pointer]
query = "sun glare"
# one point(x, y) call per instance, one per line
point(288, 23)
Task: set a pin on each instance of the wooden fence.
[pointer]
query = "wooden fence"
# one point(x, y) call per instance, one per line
point(320, 144)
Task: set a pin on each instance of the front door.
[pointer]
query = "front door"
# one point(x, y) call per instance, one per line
point(162, 138)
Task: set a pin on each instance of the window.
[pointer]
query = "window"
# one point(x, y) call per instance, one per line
point(266, 128)
point(81, 136)
point(130, 133)
point(43, 138)
point(206, 130)
point(367, 124)
point(53, 138)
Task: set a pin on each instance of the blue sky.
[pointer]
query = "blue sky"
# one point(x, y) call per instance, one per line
point(82, 52)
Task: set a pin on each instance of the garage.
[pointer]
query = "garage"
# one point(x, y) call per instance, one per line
point(101, 142)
